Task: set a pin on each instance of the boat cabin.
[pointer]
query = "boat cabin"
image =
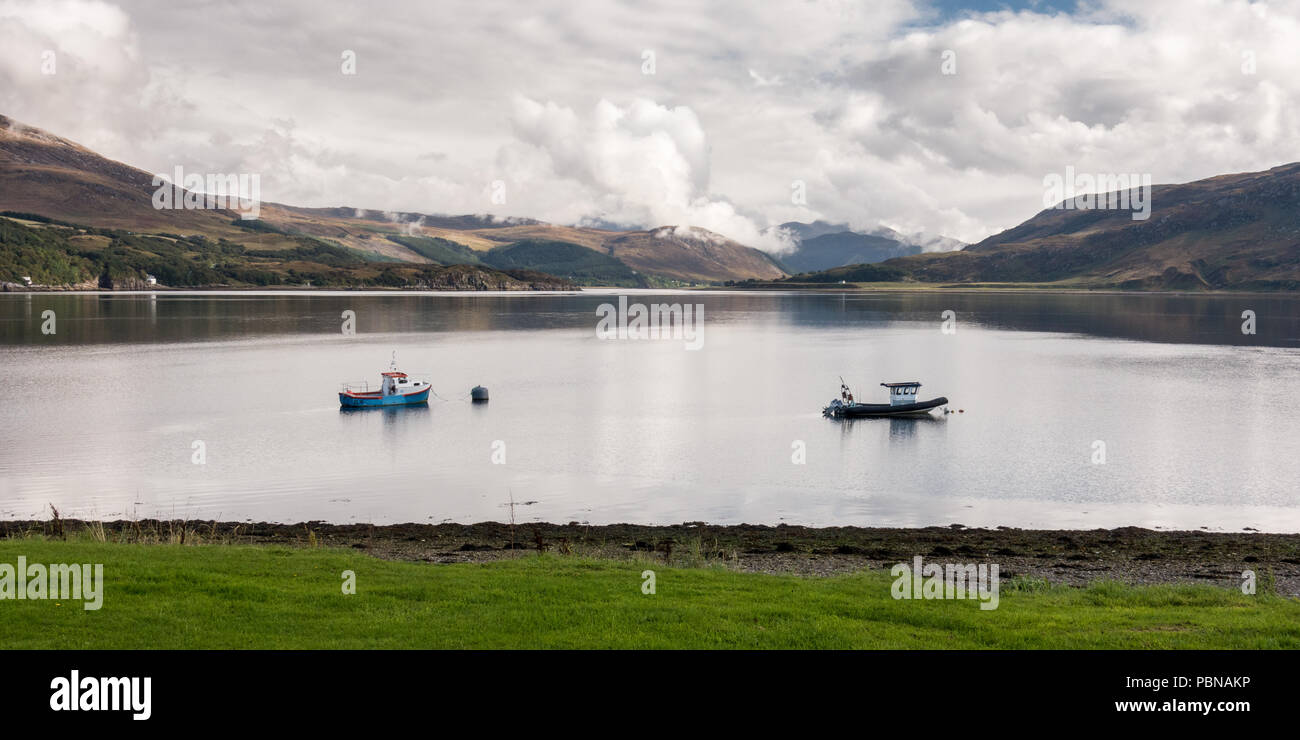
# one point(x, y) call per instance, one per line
point(395, 383)
point(902, 393)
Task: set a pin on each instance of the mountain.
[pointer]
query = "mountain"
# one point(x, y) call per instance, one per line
point(803, 231)
point(43, 174)
point(822, 245)
point(688, 254)
point(564, 259)
point(1238, 232)
point(844, 248)
point(51, 178)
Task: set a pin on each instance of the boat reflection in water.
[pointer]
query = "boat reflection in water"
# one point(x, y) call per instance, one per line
point(903, 428)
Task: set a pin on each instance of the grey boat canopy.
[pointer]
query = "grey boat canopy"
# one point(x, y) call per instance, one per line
point(902, 393)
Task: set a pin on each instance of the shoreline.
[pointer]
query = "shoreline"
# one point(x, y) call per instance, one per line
point(1029, 288)
point(1129, 555)
point(43, 290)
point(766, 288)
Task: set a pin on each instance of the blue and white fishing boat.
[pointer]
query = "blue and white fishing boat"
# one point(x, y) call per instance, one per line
point(395, 389)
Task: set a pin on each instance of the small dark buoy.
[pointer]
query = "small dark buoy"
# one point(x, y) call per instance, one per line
point(478, 393)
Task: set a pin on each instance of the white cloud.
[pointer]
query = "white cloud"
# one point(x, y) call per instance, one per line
point(75, 65)
point(638, 164)
point(1154, 87)
point(845, 96)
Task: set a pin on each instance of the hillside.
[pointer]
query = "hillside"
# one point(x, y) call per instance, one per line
point(47, 175)
point(571, 261)
point(51, 177)
point(1239, 231)
point(66, 256)
point(690, 254)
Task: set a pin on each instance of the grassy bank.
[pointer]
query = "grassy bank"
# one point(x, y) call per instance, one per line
point(215, 596)
point(256, 256)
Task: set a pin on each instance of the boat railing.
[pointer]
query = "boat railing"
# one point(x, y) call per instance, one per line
point(364, 385)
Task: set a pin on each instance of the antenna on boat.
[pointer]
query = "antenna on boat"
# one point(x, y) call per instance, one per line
point(393, 365)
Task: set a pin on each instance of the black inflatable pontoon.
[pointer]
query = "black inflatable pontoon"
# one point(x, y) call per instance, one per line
point(901, 403)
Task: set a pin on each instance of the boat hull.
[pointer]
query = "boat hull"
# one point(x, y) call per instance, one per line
point(375, 400)
point(870, 410)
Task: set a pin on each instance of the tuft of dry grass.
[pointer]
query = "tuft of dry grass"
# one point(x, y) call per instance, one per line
point(149, 532)
point(96, 531)
point(57, 521)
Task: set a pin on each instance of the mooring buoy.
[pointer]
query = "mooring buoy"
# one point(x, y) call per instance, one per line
point(478, 393)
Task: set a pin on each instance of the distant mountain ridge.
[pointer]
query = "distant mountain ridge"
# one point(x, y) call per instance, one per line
point(51, 177)
point(1239, 231)
point(822, 245)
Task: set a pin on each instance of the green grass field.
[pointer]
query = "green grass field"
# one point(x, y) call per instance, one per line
point(220, 596)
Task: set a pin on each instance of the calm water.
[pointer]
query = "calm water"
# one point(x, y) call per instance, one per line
point(1199, 421)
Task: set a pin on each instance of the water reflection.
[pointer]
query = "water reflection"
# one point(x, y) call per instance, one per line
point(900, 429)
point(390, 414)
point(184, 317)
point(904, 430)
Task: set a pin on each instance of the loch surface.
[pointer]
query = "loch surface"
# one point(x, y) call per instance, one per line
point(1079, 410)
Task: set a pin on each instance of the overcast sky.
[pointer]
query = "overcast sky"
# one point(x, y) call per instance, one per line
point(553, 99)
